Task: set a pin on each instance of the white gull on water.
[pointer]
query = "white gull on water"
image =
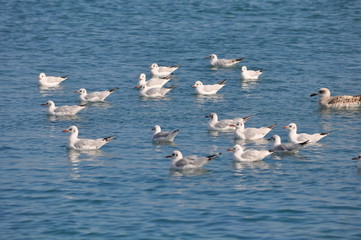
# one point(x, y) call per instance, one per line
point(250, 133)
point(189, 162)
point(84, 144)
point(344, 101)
point(250, 155)
point(153, 92)
point(154, 82)
point(63, 110)
point(209, 89)
point(221, 62)
point(50, 81)
point(94, 96)
point(162, 71)
point(295, 137)
point(159, 136)
point(285, 147)
point(222, 125)
point(250, 74)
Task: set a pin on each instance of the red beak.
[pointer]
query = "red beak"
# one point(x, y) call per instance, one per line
point(66, 130)
point(43, 104)
point(232, 125)
point(76, 92)
point(285, 127)
point(193, 85)
point(230, 150)
point(170, 156)
point(39, 78)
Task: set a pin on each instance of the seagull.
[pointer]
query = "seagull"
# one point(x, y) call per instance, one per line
point(84, 144)
point(250, 155)
point(293, 137)
point(94, 96)
point(358, 158)
point(153, 92)
point(285, 147)
point(153, 82)
point(162, 71)
point(250, 133)
point(208, 89)
point(50, 81)
point(189, 162)
point(159, 136)
point(222, 125)
point(63, 110)
point(250, 74)
point(344, 101)
point(215, 62)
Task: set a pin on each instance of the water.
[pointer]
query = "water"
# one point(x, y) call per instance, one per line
point(126, 190)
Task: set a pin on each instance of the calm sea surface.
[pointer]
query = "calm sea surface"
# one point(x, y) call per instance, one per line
point(126, 190)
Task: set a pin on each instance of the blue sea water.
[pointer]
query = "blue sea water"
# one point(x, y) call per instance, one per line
point(126, 190)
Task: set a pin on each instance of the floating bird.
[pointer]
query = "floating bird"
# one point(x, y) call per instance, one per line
point(250, 133)
point(84, 144)
point(189, 162)
point(159, 136)
point(294, 137)
point(162, 71)
point(285, 147)
point(358, 158)
point(250, 155)
point(153, 92)
point(250, 74)
point(50, 81)
point(222, 125)
point(154, 82)
point(344, 101)
point(208, 89)
point(63, 110)
point(215, 62)
point(94, 96)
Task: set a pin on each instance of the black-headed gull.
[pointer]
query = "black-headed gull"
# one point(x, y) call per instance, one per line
point(153, 92)
point(249, 155)
point(285, 147)
point(250, 74)
point(221, 62)
point(344, 101)
point(63, 110)
point(222, 125)
point(189, 162)
point(162, 71)
point(154, 82)
point(50, 81)
point(294, 137)
point(159, 136)
point(84, 144)
point(250, 133)
point(202, 89)
point(358, 159)
point(94, 96)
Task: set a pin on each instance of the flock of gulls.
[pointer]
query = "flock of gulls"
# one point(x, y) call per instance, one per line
point(154, 88)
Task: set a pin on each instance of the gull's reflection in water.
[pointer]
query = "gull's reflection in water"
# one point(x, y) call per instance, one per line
point(188, 172)
point(163, 143)
point(251, 165)
point(260, 141)
point(217, 133)
point(248, 84)
point(53, 118)
point(208, 98)
point(76, 157)
point(48, 91)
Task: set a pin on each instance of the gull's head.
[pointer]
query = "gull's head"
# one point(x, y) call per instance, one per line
point(154, 66)
point(357, 158)
point(275, 138)
point(235, 148)
point(175, 155)
point(42, 76)
point(212, 116)
point(212, 56)
point(322, 92)
point(239, 124)
point(244, 68)
point(156, 129)
point(49, 103)
point(81, 91)
point(142, 76)
point(71, 129)
point(291, 126)
point(197, 84)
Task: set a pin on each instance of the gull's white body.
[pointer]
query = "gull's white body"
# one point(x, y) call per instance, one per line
point(285, 147)
point(250, 155)
point(162, 71)
point(63, 110)
point(295, 137)
point(159, 136)
point(50, 81)
point(251, 133)
point(153, 92)
point(222, 125)
point(94, 96)
point(221, 62)
point(250, 74)
point(84, 144)
point(189, 162)
point(154, 82)
point(344, 101)
point(202, 89)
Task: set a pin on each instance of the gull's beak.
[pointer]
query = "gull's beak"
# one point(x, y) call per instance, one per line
point(286, 127)
point(170, 156)
point(66, 130)
point(313, 94)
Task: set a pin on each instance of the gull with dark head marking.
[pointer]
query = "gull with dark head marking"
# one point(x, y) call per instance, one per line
point(295, 137)
point(159, 136)
point(250, 74)
point(250, 133)
point(358, 159)
point(162, 71)
point(84, 144)
point(344, 101)
point(63, 110)
point(154, 82)
point(189, 162)
point(285, 147)
point(221, 62)
point(209, 89)
point(94, 96)
point(222, 125)
point(50, 81)
point(250, 155)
